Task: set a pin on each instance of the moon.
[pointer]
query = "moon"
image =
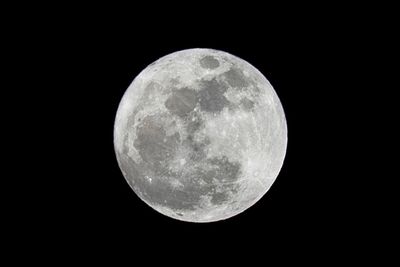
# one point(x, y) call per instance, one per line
point(200, 135)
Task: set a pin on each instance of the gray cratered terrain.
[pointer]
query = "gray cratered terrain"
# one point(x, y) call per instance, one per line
point(200, 135)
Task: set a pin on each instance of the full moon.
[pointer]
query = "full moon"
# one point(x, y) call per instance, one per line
point(200, 135)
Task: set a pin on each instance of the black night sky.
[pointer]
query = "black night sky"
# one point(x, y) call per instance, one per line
point(82, 65)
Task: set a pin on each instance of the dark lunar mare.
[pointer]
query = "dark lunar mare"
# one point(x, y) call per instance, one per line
point(161, 192)
point(236, 78)
point(181, 102)
point(157, 149)
point(209, 62)
point(211, 96)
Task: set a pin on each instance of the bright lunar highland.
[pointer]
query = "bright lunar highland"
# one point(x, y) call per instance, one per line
point(200, 135)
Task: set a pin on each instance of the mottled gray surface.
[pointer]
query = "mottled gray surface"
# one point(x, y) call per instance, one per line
point(200, 135)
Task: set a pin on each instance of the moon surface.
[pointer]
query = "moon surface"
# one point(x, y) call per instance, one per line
point(200, 135)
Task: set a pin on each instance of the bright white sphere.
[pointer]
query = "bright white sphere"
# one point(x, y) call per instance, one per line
point(200, 135)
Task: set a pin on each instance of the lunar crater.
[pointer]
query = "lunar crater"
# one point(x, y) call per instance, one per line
point(209, 62)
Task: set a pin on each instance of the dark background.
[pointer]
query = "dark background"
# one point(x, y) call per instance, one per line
point(78, 64)
point(100, 202)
